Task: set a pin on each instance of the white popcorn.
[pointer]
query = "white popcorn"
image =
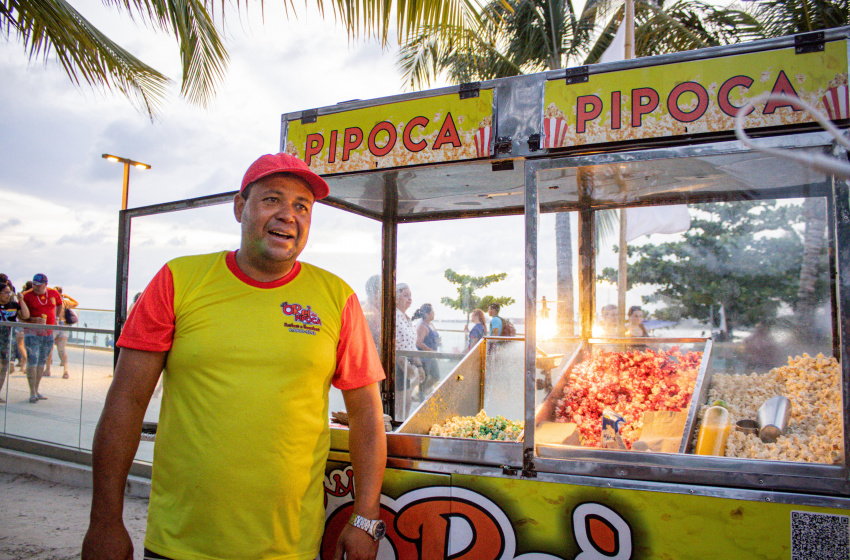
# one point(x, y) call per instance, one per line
point(815, 431)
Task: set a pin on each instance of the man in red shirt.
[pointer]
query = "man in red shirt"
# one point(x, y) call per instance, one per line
point(44, 304)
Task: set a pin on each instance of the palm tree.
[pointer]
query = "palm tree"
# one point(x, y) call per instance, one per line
point(89, 56)
point(788, 17)
point(523, 36)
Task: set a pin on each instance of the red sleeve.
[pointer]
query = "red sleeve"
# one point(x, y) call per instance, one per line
point(150, 325)
point(357, 362)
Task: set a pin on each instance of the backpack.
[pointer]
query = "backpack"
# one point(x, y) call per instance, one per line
point(508, 328)
point(70, 317)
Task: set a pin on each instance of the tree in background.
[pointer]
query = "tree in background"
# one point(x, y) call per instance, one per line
point(89, 56)
point(745, 256)
point(524, 36)
point(466, 300)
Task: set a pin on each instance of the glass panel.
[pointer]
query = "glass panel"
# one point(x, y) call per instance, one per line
point(628, 181)
point(558, 295)
point(349, 246)
point(480, 399)
point(644, 389)
point(451, 268)
point(343, 243)
point(752, 274)
point(455, 188)
point(66, 414)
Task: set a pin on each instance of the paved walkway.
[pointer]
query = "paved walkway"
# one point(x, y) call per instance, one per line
point(69, 415)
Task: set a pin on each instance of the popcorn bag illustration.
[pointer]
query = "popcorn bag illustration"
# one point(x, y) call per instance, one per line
point(836, 103)
point(555, 129)
point(482, 141)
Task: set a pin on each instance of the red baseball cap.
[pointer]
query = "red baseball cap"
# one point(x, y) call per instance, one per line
point(270, 164)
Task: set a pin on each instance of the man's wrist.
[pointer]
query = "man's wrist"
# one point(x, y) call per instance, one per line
point(375, 528)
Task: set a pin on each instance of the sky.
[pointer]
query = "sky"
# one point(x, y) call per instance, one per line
point(61, 199)
point(59, 214)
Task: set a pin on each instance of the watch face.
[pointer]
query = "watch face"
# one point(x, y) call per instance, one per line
point(379, 529)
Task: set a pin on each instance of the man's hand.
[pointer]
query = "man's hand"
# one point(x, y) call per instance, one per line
point(354, 544)
point(107, 542)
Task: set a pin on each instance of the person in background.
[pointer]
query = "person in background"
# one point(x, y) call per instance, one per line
point(405, 333)
point(11, 309)
point(407, 368)
point(61, 337)
point(636, 326)
point(608, 320)
point(427, 340)
point(495, 320)
point(19, 334)
point(44, 305)
point(242, 439)
point(372, 309)
point(133, 303)
point(18, 351)
point(479, 330)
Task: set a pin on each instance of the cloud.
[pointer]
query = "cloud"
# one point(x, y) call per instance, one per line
point(61, 199)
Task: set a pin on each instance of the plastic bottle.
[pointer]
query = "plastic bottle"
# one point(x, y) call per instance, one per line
point(714, 432)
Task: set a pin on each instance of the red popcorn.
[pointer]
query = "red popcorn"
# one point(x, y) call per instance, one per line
point(629, 383)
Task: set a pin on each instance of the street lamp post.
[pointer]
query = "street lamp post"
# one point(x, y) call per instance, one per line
point(127, 163)
point(123, 247)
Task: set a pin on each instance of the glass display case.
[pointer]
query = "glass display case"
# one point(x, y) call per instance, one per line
point(680, 301)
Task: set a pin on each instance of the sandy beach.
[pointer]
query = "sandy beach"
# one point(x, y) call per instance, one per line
point(44, 520)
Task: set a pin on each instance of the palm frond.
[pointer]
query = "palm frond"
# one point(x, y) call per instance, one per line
point(787, 17)
point(688, 25)
point(202, 54)
point(606, 36)
point(86, 54)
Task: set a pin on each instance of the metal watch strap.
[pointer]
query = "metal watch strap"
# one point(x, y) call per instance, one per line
point(362, 523)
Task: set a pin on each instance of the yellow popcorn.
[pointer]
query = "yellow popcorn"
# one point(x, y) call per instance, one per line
point(815, 431)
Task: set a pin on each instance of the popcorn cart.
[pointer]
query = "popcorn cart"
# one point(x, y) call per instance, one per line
point(591, 444)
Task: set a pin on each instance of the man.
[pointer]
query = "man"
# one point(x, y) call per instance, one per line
point(250, 342)
point(495, 321)
point(44, 305)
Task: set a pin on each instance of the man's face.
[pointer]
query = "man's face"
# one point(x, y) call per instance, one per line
point(491, 311)
point(5, 294)
point(40, 289)
point(275, 221)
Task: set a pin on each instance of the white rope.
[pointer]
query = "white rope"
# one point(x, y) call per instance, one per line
point(820, 162)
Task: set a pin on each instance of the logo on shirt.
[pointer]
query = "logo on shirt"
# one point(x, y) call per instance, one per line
point(310, 322)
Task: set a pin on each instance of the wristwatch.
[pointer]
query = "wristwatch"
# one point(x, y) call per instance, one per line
point(376, 528)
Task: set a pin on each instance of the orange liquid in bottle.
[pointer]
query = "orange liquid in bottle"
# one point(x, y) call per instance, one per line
point(714, 432)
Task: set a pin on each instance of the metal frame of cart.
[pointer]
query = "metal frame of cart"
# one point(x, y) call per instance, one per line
point(518, 160)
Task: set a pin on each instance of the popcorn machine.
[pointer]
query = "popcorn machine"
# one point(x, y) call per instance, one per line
point(608, 464)
point(627, 447)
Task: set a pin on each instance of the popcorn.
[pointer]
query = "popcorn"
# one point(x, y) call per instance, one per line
point(629, 383)
point(814, 434)
point(479, 426)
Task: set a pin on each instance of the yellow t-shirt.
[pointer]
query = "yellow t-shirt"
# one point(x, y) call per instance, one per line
point(243, 432)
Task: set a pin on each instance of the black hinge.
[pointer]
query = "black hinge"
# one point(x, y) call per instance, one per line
point(309, 116)
point(509, 471)
point(528, 470)
point(502, 165)
point(534, 142)
point(577, 75)
point(809, 42)
point(502, 145)
point(470, 89)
